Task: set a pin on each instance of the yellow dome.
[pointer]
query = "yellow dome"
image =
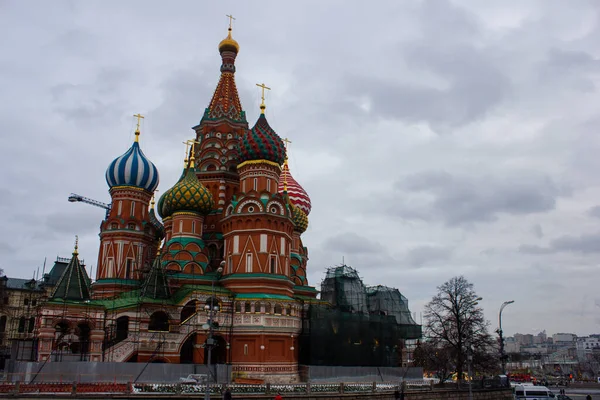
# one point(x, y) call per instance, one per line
point(229, 44)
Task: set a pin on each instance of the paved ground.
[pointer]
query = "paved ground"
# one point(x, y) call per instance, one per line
point(578, 394)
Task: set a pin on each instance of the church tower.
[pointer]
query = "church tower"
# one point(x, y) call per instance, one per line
point(258, 225)
point(130, 234)
point(217, 154)
point(184, 208)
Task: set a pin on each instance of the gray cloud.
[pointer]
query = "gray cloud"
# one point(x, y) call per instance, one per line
point(352, 243)
point(537, 231)
point(584, 244)
point(461, 199)
point(594, 211)
point(423, 255)
point(432, 116)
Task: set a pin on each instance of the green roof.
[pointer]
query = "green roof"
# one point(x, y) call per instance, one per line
point(156, 285)
point(305, 288)
point(74, 283)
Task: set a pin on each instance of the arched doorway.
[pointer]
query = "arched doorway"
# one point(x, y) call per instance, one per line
point(186, 356)
point(219, 351)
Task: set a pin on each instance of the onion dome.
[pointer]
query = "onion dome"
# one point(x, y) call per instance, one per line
point(229, 44)
point(133, 169)
point(159, 206)
point(262, 143)
point(299, 218)
point(188, 194)
point(295, 192)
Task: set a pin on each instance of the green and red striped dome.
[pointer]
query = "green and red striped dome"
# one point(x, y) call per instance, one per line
point(262, 143)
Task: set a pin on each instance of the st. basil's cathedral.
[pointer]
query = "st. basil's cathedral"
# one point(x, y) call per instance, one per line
point(221, 274)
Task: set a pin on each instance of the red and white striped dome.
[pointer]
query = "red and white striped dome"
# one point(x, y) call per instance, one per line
point(296, 193)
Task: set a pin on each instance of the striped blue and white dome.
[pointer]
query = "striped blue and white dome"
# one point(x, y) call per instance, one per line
point(132, 169)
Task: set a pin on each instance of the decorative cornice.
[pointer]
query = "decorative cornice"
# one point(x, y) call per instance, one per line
point(256, 162)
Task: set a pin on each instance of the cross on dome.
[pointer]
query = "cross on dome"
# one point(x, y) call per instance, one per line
point(262, 96)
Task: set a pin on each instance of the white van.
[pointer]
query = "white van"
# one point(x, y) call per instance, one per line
point(531, 392)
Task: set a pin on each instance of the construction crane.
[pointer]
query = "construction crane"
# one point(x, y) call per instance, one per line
point(74, 198)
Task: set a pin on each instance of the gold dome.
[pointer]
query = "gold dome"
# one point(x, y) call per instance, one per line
point(229, 44)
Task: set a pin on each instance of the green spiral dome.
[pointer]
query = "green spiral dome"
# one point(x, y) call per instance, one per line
point(188, 194)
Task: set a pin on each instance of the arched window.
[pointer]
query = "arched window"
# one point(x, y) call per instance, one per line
point(3, 324)
point(159, 321)
point(31, 324)
point(212, 302)
point(238, 307)
point(278, 309)
point(247, 307)
point(257, 307)
point(288, 310)
point(267, 308)
point(22, 322)
point(188, 310)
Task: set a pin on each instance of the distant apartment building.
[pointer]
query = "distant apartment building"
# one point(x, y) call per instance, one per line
point(511, 345)
point(524, 339)
point(540, 338)
point(588, 343)
point(563, 338)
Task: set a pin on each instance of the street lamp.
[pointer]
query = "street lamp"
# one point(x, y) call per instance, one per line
point(470, 350)
point(212, 309)
point(502, 359)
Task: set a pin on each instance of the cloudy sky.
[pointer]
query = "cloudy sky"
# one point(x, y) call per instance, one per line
point(435, 138)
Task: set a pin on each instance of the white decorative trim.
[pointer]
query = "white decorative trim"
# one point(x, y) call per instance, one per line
point(278, 205)
point(252, 201)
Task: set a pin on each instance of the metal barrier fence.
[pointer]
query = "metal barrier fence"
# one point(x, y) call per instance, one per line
point(184, 388)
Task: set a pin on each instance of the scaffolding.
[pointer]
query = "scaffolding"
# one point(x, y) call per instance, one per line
point(355, 325)
point(389, 301)
point(344, 290)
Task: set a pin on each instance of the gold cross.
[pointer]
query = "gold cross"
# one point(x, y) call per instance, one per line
point(287, 142)
point(138, 116)
point(188, 143)
point(262, 96)
point(231, 19)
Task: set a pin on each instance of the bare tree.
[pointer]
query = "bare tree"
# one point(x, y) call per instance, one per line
point(454, 321)
point(435, 359)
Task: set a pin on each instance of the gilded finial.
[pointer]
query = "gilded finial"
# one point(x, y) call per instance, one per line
point(285, 174)
point(152, 201)
point(231, 19)
point(75, 251)
point(190, 152)
point(262, 96)
point(137, 128)
point(286, 168)
point(228, 43)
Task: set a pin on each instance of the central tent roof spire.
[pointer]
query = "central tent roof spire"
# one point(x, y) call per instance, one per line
point(225, 102)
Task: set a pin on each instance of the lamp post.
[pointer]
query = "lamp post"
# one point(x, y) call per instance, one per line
point(502, 359)
point(212, 309)
point(470, 350)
